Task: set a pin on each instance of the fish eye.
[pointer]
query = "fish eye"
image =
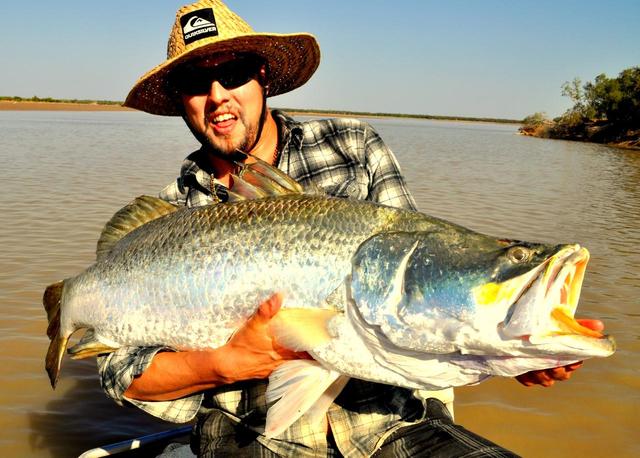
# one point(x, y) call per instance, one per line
point(518, 254)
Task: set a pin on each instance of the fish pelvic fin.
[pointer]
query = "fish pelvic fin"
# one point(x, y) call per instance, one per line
point(89, 346)
point(300, 387)
point(139, 212)
point(51, 301)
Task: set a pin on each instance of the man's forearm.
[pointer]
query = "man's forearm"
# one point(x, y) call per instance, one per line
point(173, 375)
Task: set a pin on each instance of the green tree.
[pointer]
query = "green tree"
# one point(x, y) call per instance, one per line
point(573, 90)
point(616, 99)
point(577, 93)
point(605, 110)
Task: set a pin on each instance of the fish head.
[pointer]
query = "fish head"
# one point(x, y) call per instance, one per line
point(425, 289)
point(539, 303)
point(469, 293)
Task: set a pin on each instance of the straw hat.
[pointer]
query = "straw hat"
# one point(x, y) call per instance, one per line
point(208, 27)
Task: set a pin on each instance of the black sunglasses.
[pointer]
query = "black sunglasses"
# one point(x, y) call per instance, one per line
point(194, 80)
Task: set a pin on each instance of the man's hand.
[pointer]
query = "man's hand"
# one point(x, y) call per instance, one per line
point(548, 377)
point(252, 352)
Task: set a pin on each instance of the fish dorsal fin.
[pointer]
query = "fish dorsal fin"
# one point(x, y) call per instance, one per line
point(244, 190)
point(258, 179)
point(139, 212)
point(280, 180)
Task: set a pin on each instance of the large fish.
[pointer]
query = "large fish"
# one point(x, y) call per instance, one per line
point(371, 292)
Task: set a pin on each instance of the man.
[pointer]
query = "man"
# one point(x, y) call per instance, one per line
point(218, 75)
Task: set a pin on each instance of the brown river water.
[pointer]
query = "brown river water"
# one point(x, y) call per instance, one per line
point(65, 173)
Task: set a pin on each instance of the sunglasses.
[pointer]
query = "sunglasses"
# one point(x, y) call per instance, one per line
point(194, 80)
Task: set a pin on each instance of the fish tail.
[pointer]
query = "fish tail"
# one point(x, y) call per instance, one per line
point(51, 301)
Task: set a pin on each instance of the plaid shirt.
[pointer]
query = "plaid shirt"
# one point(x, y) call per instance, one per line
point(346, 158)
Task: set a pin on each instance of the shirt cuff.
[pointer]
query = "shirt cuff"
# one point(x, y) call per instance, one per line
point(120, 368)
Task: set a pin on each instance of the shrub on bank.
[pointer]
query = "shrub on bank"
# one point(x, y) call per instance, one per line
point(606, 110)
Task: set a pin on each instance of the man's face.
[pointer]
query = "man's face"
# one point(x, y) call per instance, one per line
point(223, 102)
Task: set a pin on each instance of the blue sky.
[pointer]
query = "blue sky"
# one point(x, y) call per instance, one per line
point(469, 58)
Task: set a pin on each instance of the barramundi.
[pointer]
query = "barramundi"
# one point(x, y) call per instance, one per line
point(370, 292)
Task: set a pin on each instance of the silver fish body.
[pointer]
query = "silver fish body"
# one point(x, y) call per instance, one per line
point(415, 301)
point(189, 279)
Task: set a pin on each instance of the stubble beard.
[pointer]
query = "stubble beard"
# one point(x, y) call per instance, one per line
point(228, 146)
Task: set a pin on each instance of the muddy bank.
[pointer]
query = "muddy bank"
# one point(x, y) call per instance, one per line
point(594, 132)
point(10, 105)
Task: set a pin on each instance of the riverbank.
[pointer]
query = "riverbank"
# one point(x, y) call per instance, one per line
point(594, 132)
point(41, 105)
point(12, 105)
point(604, 111)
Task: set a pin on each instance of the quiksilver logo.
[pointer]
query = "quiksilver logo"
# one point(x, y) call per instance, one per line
point(198, 24)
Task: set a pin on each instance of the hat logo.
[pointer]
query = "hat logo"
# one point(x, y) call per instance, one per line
point(198, 24)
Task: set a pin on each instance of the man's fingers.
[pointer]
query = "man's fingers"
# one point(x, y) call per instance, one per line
point(270, 307)
point(559, 373)
point(574, 366)
point(542, 377)
point(529, 378)
point(548, 376)
point(545, 378)
point(285, 353)
point(524, 379)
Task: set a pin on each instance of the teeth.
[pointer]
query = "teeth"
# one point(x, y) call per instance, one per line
point(223, 117)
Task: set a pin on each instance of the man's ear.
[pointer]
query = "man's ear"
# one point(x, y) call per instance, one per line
point(262, 73)
point(262, 78)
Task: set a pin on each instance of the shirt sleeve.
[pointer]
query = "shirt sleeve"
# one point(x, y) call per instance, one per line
point(117, 371)
point(174, 193)
point(387, 185)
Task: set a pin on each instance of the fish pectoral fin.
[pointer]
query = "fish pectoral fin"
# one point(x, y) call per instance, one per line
point(89, 346)
point(299, 387)
point(301, 329)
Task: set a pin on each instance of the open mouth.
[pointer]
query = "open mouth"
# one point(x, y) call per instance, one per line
point(222, 118)
point(564, 282)
point(221, 122)
point(547, 303)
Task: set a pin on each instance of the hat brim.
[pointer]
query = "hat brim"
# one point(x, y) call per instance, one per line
point(292, 60)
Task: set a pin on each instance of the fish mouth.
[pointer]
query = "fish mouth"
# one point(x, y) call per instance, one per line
point(543, 311)
point(562, 281)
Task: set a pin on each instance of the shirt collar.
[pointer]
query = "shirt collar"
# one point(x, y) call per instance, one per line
point(290, 131)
